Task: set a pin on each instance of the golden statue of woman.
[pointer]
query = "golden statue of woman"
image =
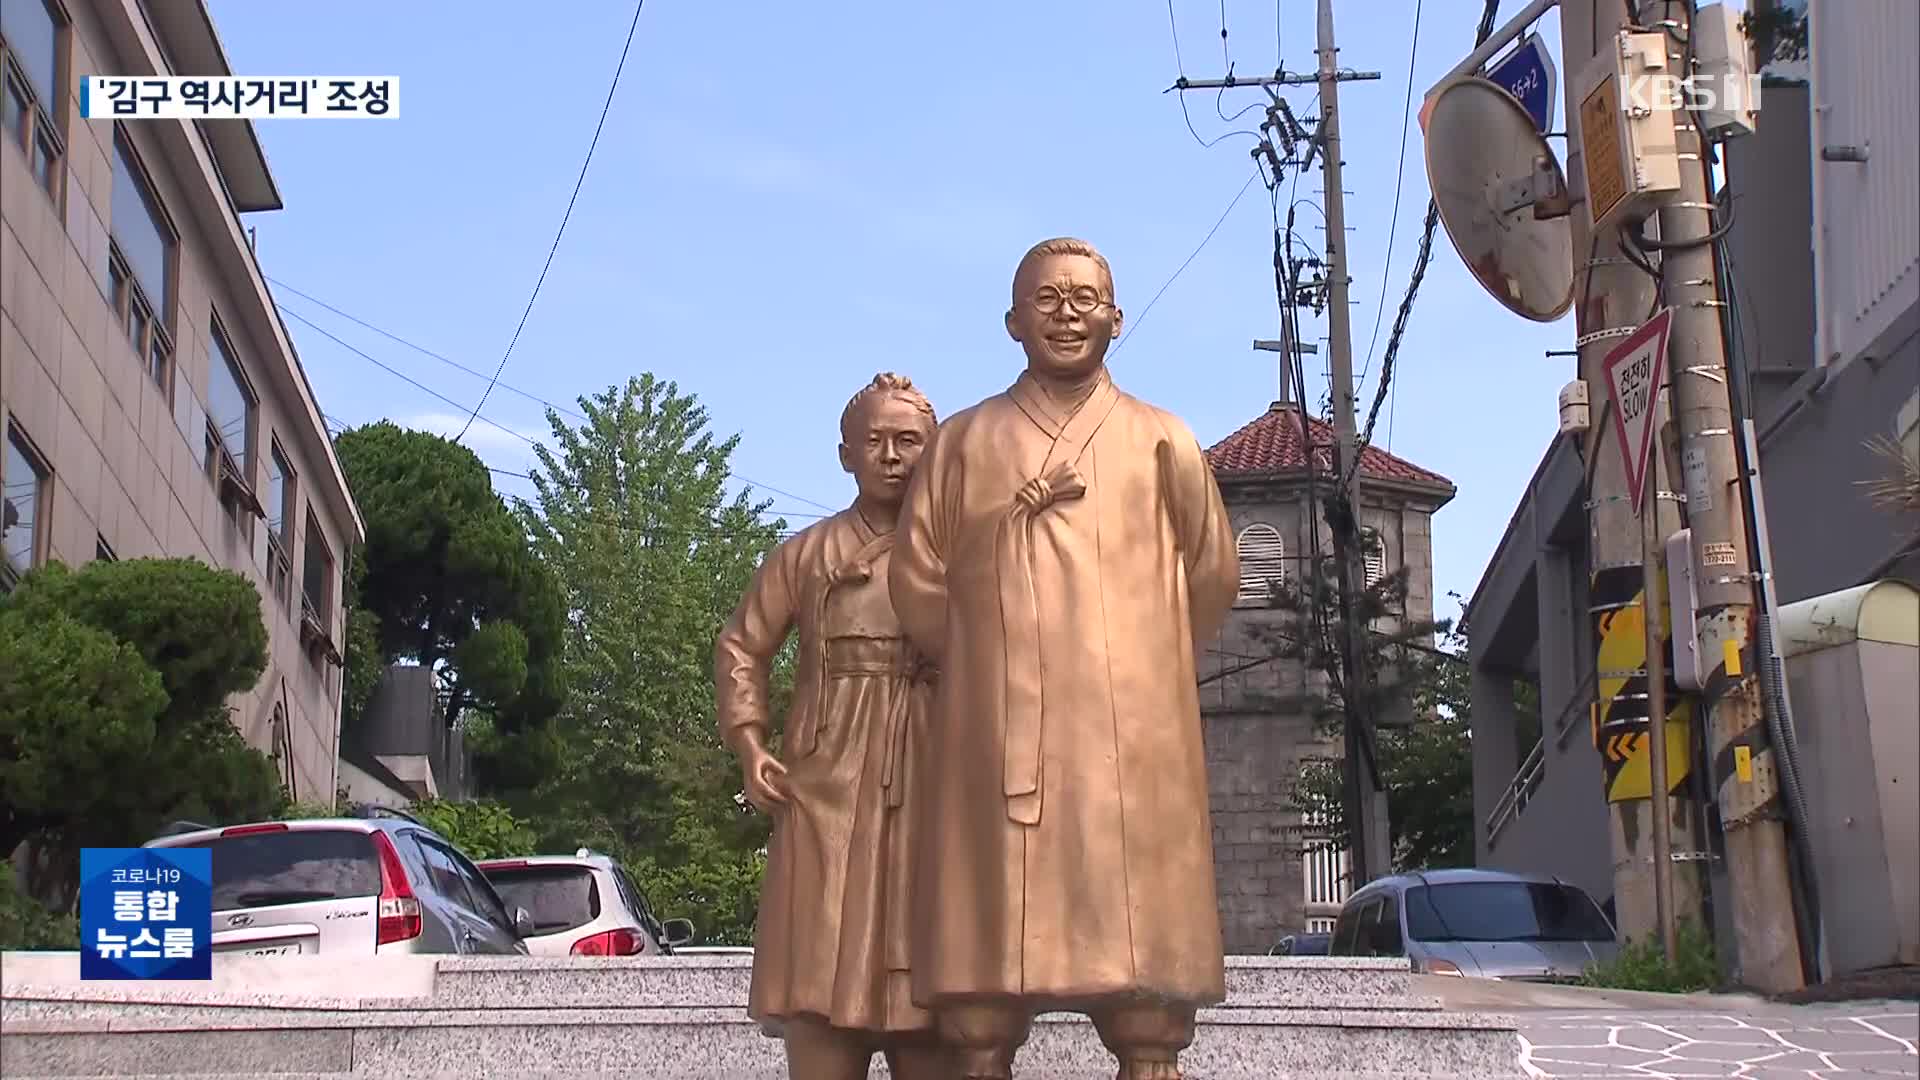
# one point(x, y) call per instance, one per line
point(830, 950)
point(1063, 555)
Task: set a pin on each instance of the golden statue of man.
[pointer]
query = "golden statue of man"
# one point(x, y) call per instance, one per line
point(830, 949)
point(1063, 554)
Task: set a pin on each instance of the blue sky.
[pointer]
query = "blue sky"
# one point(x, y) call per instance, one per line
point(788, 198)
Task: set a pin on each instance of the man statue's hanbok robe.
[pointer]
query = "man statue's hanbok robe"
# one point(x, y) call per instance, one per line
point(831, 939)
point(1063, 570)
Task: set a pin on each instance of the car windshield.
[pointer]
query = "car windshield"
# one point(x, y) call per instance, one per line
point(557, 897)
point(299, 865)
point(1503, 911)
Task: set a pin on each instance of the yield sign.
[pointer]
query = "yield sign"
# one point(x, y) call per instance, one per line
point(1635, 370)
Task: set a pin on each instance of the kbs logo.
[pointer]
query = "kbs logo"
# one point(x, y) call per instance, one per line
point(1694, 93)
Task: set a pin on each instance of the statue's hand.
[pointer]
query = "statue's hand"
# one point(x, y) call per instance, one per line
point(764, 778)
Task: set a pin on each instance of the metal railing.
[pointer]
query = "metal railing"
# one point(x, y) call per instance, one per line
point(1525, 782)
point(1527, 778)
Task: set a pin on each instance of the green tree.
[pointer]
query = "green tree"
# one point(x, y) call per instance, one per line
point(651, 555)
point(113, 714)
point(480, 828)
point(445, 579)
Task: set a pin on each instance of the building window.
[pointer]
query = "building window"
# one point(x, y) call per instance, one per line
point(25, 491)
point(1263, 563)
point(280, 495)
point(231, 414)
point(140, 265)
point(30, 44)
point(317, 583)
point(1374, 552)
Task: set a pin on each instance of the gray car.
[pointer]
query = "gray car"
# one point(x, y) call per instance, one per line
point(333, 886)
point(1480, 923)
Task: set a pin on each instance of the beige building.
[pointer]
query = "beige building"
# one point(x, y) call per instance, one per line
point(1275, 873)
point(151, 400)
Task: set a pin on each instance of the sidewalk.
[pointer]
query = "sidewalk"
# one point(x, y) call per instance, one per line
point(1574, 1032)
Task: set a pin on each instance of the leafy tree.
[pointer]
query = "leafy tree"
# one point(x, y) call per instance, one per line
point(651, 556)
point(113, 714)
point(480, 828)
point(1776, 33)
point(446, 579)
point(25, 923)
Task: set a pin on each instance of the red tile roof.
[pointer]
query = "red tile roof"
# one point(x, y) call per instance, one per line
point(1271, 443)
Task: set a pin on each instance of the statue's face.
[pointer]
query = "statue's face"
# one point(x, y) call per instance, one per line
point(882, 445)
point(1063, 315)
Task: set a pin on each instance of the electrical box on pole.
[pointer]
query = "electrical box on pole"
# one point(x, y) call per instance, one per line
point(1629, 95)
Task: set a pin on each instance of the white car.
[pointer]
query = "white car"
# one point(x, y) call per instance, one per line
point(584, 904)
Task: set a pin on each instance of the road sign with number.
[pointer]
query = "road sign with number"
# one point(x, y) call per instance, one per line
point(1635, 371)
point(1527, 73)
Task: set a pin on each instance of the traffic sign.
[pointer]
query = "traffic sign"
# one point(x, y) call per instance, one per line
point(1635, 371)
point(1527, 73)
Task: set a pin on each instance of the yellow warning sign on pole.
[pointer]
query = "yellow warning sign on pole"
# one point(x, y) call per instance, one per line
point(1620, 715)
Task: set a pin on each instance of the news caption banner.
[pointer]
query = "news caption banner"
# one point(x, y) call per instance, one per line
point(240, 97)
point(146, 913)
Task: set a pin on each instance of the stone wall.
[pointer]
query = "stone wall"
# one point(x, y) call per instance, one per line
point(1252, 759)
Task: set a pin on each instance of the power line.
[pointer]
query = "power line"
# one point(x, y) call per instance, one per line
point(398, 374)
point(1481, 34)
point(421, 349)
point(1204, 241)
point(578, 182)
point(1399, 176)
point(449, 401)
point(1180, 66)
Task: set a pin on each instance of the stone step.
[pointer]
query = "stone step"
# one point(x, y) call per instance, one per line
point(879, 1071)
point(709, 1044)
point(709, 981)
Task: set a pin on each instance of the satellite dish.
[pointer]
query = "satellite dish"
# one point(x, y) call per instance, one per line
point(1502, 197)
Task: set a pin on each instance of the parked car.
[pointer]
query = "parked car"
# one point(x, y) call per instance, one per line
point(1483, 923)
point(383, 883)
point(1301, 945)
point(584, 904)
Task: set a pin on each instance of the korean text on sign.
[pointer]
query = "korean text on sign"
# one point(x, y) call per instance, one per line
point(146, 913)
point(237, 97)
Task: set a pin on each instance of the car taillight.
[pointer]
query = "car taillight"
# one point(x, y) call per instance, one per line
point(502, 864)
point(249, 830)
point(399, 909)
point(611, 943)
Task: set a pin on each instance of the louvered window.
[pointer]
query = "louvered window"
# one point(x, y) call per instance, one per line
point(1263, 563)
point(1376, 556)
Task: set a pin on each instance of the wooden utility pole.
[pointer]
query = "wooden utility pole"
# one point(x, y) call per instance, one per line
point(1751, 807)
point(1612, 298)
point(1363, 802)
point(1362, 797)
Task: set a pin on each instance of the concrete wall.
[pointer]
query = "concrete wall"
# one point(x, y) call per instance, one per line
point(126, 457)
point(1826, 534)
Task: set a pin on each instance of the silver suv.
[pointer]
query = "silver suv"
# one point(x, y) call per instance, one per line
point(584, 905)
point(349, 885)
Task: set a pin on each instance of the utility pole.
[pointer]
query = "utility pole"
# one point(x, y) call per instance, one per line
point(1749, 797)
point(1366, 822)
point(1612, 298)
point(1362, 801)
